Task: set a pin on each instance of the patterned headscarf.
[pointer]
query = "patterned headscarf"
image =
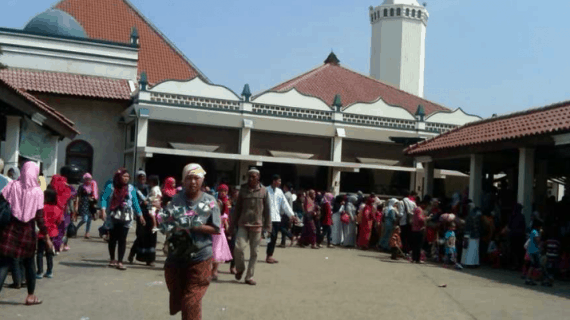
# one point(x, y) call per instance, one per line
point(169, 188)
point(193, 169)
point(25, 195)
point(90, 187)
point(121, 190)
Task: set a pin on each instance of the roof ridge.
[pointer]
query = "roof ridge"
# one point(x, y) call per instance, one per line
point(385, 84)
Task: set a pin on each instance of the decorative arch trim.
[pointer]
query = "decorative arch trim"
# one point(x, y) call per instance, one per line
point(195, 87)
point(379, 108)
point(292, 98)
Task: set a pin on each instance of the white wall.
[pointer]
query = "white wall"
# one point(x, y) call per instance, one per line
point(379, 109)
point(457, 117)
point(292, 98)
point(195, 87)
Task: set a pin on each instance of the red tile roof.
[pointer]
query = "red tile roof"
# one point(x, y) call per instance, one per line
point(112, 20)
point(330, 79)
point(549, 119)
point(67, 84)
point(41, 105)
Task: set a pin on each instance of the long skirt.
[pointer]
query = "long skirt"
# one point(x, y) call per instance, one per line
point(349, 234)
point(309, 234)
point(187, 286)
point(58, 241)
point(144, 247)
point(385, 240)
point(470, 255)
point(336, 229)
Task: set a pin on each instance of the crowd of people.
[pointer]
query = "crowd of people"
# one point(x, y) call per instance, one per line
point(206, 227)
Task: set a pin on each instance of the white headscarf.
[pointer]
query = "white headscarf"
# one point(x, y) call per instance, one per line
point(193, 169)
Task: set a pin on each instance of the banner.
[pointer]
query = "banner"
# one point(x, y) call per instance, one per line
point(35, 141)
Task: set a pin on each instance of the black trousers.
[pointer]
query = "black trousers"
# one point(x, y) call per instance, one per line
point(42, 249)
point(285, 233)
point(29, 271)
point(118, 235)
point(416, 240)
point(327, 232)
point(406, 232)
point(275, 227)
point(17, 269)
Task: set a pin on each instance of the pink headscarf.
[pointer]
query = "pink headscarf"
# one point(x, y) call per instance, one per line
point(328, 198)
point(25, 195)
point(90, 187)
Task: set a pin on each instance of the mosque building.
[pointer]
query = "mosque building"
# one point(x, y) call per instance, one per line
point(139, 102)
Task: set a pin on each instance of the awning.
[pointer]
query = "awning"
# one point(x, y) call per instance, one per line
point(293, 155)
point(193, 147)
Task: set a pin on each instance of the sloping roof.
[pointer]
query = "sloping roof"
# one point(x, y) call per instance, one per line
point(331, 78)
point(549, 119)
point(112, 20)
point(67, 84)
point(41, 105)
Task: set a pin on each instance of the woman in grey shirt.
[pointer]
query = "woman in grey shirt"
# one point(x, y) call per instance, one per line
point(189, 221)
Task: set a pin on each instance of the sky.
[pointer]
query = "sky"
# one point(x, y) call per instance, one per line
point(484, 57)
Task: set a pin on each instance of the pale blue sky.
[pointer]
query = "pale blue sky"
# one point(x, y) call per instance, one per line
point(483, 56)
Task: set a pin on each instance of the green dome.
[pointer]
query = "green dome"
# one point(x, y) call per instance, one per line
point(55, 22)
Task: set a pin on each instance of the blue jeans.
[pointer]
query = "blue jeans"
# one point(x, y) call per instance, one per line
point(86, 219)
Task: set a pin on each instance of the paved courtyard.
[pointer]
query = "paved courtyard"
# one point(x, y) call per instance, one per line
point(306, 284)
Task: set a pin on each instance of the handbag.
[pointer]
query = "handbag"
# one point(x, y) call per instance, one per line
point(72, 230)
point(345, 218)
point(123, 214)
point(5, 213)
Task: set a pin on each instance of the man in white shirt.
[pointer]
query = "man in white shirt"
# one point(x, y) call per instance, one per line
point(278, 205)
point(406, 222)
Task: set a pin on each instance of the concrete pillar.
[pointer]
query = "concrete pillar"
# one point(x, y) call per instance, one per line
point(337, 149)
point(245, 140)
point(526, 180)
point(541, 192)
point(12, 144)
point(50, 164)
point(142, 132)
point(476, 179)
point(428, 178)
point(335, 181)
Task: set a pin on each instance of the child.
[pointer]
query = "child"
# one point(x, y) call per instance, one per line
point(220, 247)
point(552, 249)
point(450, 250)
point(396, 243)
point(53, 216)
point(533, 251)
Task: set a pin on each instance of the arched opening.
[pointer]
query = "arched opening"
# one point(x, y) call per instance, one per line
point(419, 14)
point(407, 12)
point(392, 12)
point(398, 12)
point(385, 12)
point(413, 13)
point(80, 153)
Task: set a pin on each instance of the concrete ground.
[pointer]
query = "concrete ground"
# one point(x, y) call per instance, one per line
point(306, 284)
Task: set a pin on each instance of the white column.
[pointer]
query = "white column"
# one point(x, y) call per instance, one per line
point(50, 164)
point(142, 132)
point(526, 180)
point(476, 179)
point(12, 144)
point(245, 140)
point(337, 149)
point(335, 183)
point(428, 178)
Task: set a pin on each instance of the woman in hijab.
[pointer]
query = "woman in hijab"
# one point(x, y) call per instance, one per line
point(338, 209)
point(18, 238)
point(390, 220)
point(349, 229)
point(470, 254)
point(88, 194)
point(309, 234)
point(144, 247)
point(366, 223)
point(168, 191)
point(64, 199)
point(189, 221)
point(120, 199)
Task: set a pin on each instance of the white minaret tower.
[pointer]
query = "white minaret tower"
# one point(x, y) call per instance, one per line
point(397, 54)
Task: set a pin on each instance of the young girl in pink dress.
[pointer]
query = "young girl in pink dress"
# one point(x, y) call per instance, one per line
point(220, 246)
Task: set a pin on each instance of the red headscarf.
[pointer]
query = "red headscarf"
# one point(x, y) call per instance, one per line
point(59, 183)
point(169, 187)
point(223, 187)
point(121, 190)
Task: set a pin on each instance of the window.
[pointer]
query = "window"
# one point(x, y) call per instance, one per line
point(392, 12)
point(385, 12)
point(414, 13)
point(407, 12)
point(80, 153)
point(419, 14)
point(398, 12)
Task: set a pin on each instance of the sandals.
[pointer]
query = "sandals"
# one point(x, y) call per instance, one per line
point(34, 301)
point(121, 267)
point(113, 264)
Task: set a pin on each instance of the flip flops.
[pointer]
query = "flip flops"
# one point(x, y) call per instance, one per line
point(33, 302)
